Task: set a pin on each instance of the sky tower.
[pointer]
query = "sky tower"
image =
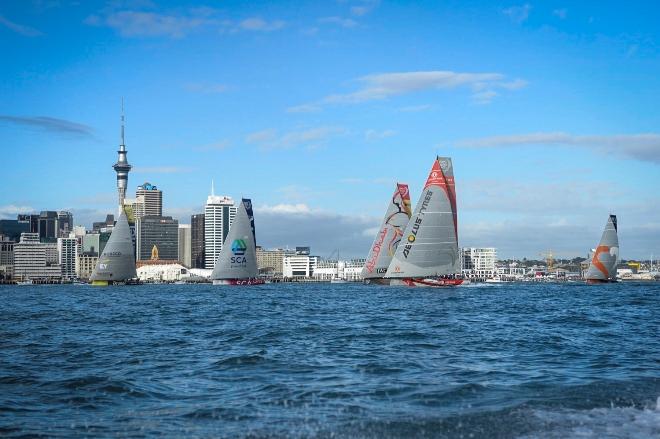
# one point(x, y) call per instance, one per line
point(122, 167)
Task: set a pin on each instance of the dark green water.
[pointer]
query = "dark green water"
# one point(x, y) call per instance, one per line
point(330, 360)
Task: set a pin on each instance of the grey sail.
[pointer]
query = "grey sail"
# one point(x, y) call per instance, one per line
point(117, 262)
point(238, 258)
point(605, 258)
point(429, 246)
point(389, 234)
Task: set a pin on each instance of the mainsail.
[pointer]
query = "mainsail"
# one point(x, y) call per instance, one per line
point(117, 262)
point(389, 234)
point(238, 258)
point(430, 240)
point(604, 260)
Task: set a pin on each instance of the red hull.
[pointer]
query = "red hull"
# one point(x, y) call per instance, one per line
point(436, 283)
point(239, 282)
point(599, 281)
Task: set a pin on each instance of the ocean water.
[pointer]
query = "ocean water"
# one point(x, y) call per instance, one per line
point(331, 361)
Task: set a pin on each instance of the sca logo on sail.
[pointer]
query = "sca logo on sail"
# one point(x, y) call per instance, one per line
point(238, 248)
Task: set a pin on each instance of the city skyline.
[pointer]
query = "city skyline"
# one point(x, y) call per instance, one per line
point(547, 110)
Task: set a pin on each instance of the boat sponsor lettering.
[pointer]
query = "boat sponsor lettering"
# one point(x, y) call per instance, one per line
point(418, 222)
point(371, 263)
point(238, 248)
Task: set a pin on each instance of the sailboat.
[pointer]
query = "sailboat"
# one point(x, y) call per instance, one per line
point(388, 236)
point(237, 262)
point(117, 261)
point(605, 257)
point(428, 255)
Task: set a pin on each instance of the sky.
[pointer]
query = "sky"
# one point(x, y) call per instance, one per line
point(314, 110)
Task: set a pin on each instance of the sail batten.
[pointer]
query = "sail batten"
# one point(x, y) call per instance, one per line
point(389, 233)
point(429, 245)
point(237, 259)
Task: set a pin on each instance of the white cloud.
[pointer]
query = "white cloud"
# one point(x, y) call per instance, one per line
point(11, 210)
point(215, 146)
point(261, 25)
point(385, 85)
point(311, 137)
point(372, 135)
point(299, 208)
point(561, 13)
point(415, 108)
point(162, 170)
point(643, 147)
point(304, 108)
point(364, 7)
point(518, 14)
point(21, 29)
point(339, 21)
point(51, 124)
point(205, 87)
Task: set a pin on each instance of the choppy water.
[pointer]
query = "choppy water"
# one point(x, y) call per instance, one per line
point(331, 361)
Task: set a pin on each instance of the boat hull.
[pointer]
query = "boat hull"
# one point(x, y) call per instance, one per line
point(376, 281)
point(239, 282)
point(426, 282)
point(600, 281)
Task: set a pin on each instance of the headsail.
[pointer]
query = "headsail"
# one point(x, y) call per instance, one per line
point(238, 259)
point(389, 234)
point(430, 240)
point(117, 262)
point(604, 260)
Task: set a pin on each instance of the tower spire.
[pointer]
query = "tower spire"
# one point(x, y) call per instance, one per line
point(122, 167)
point(212, 187)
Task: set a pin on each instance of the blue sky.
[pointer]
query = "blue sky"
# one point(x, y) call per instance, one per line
point(315, 110)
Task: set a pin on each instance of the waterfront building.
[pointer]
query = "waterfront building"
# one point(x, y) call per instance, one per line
point(12, 229)
point(162, 272)
point(271, 262)
point(67, 251)
point(148, 201)
point(64, 223)
point(350, 271)
point(34, 259)
point(197, 240)
point(122, 167)
point(159, 231)
point(6, 258)
point(478, 263)
point(219, 213)
point(299, 266)
point(185, 244)
point(86, 262)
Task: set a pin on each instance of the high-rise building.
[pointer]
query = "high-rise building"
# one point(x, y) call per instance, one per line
point(122, 167)
point(299, 265)
point(32, 221)
point(219, 213)
point(12, 229)
point(35, 260)
point(148, 201)
point(64, 223)
point(48, 227)
point(6, 258)
point(94, 243)
point(197, 240)
point(185, 244)
point(108, 223)
point(67, 250)
point(159, 231)
point(478, 262)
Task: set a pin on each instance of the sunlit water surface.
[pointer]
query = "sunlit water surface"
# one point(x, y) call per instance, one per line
point(331, 360)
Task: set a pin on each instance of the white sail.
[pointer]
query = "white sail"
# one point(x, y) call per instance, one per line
point(605, 258)
point(117, 261)
point(389, 234)
point(238, 258)
point(430, 240)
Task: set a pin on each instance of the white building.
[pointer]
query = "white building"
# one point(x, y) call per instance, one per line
point(162, 272)
point(271, 262)
point(185, 248)
point(347, 270)
point(219, 213)
point(299, 265)
point(67, 252)
point(478, 262)
point(35, 260)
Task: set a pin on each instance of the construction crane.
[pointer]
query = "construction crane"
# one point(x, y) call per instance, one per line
point(549, 258)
